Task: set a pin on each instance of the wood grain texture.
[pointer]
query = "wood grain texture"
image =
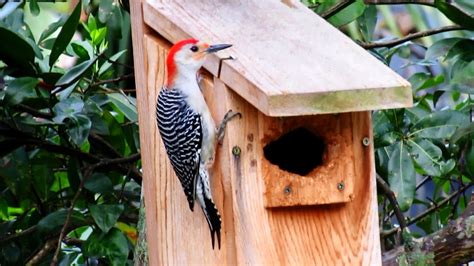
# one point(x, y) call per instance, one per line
point(320, 186)
point(289, 60)
point(146, 125)
point(336, 234)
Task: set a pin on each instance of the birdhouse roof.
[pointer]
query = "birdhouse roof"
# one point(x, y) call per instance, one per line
point(288, 60)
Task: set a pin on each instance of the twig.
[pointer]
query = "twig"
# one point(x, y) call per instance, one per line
point(393, 201)
point(114, 62)
point(336, 8)
point(33, 112)
point(117, 79)
point(399, 2)
point(87, 174)
point(410, 37)
point(25, 232)
point(429, 210)
point(49, 245)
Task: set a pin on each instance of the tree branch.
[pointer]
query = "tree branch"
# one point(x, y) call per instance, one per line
point(429, 210)
point(49, 245)
point(381, 184)
point(336, 8)
point(410, 37)
point(25, 232)
point(399, 2)
point(33, 112)
point(117, 79)
point(87, 173)
point(451, 245)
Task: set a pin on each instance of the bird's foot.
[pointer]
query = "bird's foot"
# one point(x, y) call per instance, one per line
point(221, 130)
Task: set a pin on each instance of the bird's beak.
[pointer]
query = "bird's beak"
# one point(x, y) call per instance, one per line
point(217, 47)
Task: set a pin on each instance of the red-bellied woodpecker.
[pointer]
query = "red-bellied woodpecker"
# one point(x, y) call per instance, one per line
point(187, 129)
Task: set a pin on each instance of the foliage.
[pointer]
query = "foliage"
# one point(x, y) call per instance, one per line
point(68, 137)
point(425, 153)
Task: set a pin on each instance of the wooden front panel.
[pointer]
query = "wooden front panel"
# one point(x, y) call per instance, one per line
point(335, 234)
point(330, 182)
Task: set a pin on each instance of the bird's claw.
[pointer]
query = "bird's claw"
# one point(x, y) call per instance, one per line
point(227, 117)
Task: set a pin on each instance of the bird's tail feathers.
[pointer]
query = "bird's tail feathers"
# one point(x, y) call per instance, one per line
point(213, 219)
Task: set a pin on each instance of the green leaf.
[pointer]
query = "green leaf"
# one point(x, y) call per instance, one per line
point(113, 246)
point(106, 65)
point(79, 128)
point(455, 14)
point(439, 125)
point(53, 27)
point(462, 133)
point(105, 216)
point(421, 81)
point(80, 51)
point(125, 105)
point(11, 252)
point(98, 35)
point(470, 161)
point(384, 132)
point(447, 167)
point(65, 35)
point(3, 209)
point(20, 89)
point(99, 183)
point(67, 108)
point(466, 5)
point(367, 22)
point(426, 155)
point(402, 176)
point(34, 7)
point(75, 73)
point(465, 76)
point(348, 14)
point(16, 52)
point(441, 48)
point(105, 10)
point(55, 220)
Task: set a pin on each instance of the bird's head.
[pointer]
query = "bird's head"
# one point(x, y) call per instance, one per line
point(187, 56)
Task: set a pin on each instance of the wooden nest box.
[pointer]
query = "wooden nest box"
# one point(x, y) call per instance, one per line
point(294, 179)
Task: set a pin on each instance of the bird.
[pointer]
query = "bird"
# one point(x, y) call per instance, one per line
point(187, 129)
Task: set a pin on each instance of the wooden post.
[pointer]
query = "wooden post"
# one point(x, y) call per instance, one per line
point(317, 221)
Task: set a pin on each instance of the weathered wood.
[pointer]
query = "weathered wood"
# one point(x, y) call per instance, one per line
point(289, 61)
point(146, 121)
point(331, 182)
point(452, 245)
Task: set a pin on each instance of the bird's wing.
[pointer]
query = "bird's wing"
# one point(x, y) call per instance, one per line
point(181, 132)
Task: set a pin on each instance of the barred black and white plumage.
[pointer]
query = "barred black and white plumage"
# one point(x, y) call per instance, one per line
point(182, 134)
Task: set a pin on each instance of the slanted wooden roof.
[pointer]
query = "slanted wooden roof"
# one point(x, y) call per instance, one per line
point(289, 60)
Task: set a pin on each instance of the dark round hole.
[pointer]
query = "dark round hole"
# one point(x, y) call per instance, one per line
point(298, 151)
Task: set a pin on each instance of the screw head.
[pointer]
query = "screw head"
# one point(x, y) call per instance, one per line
point(341, 185)
point(366, 141)
point(287, 190)
point(236, 151)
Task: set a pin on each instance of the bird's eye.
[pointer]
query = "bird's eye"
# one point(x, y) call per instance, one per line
point(194, 48)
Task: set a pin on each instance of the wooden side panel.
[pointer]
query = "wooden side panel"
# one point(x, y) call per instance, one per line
point(147, 126)
point(330, 182)
point(337, 234)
